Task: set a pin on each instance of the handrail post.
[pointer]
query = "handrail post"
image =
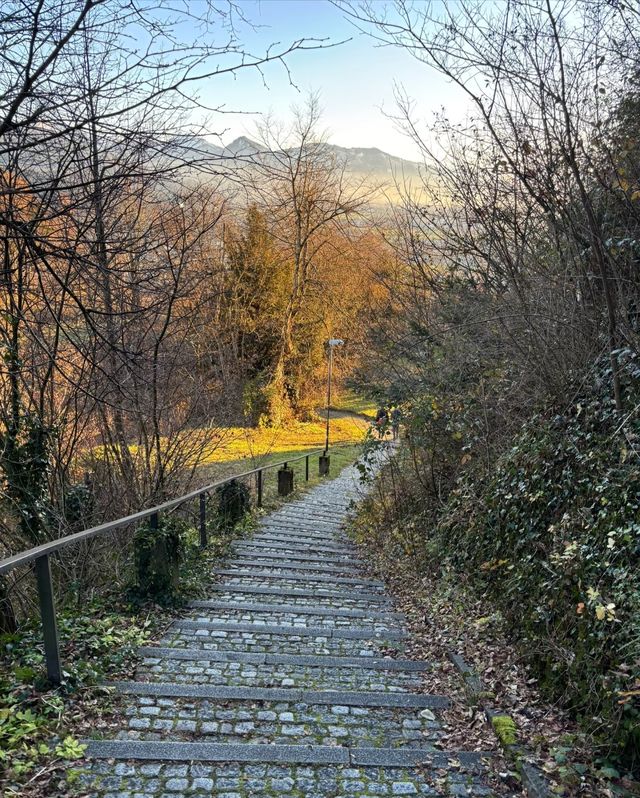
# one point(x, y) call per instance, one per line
point(306, 468)
point(48, 617)
point(259, 475)
point(203, 521)
point(153, 520)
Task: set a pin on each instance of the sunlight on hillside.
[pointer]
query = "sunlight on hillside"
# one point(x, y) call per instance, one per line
point(242, 442)
point(353, 403)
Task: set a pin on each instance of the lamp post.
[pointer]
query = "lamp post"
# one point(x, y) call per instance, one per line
point(324, 459)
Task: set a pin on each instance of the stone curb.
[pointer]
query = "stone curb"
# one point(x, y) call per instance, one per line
point(290, 695)
point(294, 609)
point(308, 660)
point(299, 575)
point(276, 754)
point(292, 631)
point(533, 780)
point(293, 593)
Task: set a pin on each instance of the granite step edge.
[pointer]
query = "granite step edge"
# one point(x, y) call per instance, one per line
point(294, 609)
point(278, 754)
point(300, 660)
point(283, 694)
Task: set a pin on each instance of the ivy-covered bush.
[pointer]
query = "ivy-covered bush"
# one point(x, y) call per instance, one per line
point(78, 505)
point(157, 555)
point(553, 535)
point(234, 502)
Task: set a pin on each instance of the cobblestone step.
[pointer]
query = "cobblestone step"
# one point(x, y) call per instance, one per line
point(278, 723)
point(259, 640)
point(293, 538)
point(318, 661)
point(240, 562)
point(292, 622)
point(296, 576)
point(304, 533)
point(261, 694)
point(276, 542)
point(304, 515)
point(293, 609)
point(331, 596)
point(287, 680)
point(202, 626)
point(159, 770)
point(293, 556)
point(316, 676)
point(308, 524)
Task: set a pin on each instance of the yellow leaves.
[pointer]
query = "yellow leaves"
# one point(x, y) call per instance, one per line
point(570, 552)
point(606, 613)
point(635, 195)
point(627, 695)
point(603, 612)
point(493, 565)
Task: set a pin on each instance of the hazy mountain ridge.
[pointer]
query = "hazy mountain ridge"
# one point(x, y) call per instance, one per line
point(370, 162)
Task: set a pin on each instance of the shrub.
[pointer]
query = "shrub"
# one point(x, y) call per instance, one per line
point(158, 554)
point(78, 505)
point(234, 502)
point(553, 535)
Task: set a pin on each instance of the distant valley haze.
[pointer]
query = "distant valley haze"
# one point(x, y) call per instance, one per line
point(369, 166)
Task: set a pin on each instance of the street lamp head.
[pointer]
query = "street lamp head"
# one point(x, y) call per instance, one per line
point(335, 341)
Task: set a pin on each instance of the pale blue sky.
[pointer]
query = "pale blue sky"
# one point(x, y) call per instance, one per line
point(355, 80)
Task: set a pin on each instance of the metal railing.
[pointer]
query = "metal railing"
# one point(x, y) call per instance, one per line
point(40, 555)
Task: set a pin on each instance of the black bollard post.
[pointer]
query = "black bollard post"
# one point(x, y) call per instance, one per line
point(285, 480)
point(323, 465)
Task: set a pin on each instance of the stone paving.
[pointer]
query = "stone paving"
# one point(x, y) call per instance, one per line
point(288, 680)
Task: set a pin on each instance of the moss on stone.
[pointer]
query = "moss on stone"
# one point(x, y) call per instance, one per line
point(505, 728)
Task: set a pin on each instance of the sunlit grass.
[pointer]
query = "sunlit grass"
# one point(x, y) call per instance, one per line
point(255, 443)
point(348, 400)
point(251, 446)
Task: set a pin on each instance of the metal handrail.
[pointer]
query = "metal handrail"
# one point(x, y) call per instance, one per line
point(39, 555)
point(23, 557)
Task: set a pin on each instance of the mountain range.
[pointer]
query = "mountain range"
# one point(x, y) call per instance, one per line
point(368, 164)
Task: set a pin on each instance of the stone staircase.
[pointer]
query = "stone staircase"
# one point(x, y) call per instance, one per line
point(287, 681)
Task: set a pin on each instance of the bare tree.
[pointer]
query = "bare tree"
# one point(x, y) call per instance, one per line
point(302, 187)
point(97, 99)
point(539, 77)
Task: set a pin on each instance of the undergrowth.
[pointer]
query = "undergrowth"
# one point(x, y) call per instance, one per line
point(40, 727)
point(549, 534)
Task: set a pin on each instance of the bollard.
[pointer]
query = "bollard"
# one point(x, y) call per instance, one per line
point(323, 464)
point(285, 480)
